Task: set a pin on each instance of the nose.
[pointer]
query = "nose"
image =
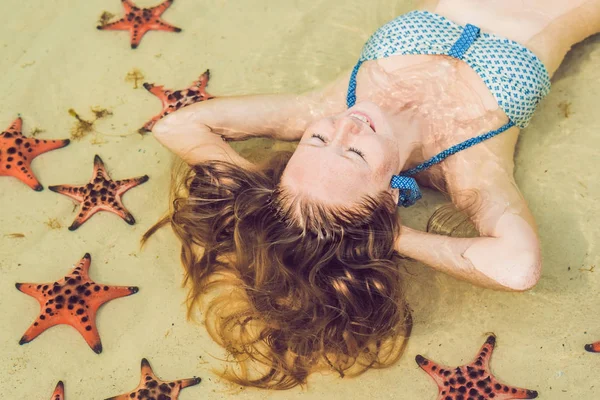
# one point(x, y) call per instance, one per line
point(346, 126)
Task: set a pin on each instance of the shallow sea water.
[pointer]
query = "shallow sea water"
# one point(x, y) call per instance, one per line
point(53, 59)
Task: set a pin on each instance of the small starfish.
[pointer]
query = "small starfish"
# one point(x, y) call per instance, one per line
point(151, 387)
point(593, 348)
point(174, 100)
point(472, 381)
point(138, 21)
point(59, 392)
point(72, 300)
point(102, 193)
point(17, 152)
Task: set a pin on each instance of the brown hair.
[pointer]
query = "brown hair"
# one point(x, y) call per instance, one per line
point(297, 287)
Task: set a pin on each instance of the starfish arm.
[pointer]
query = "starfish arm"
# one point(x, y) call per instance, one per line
point(202, 83)
point(83, 266)
point(24, 174)
point(84, 213)
point(150, 124)
point(31, 289)
point(128, 6)
point(85, 323)
point(99, 169)
point(117, 207)
point(161, 8)
point(485, 353)
point(120, 25)
point(433, 369)
point(120, 397)
point(188, 382)
point(74, 192)
point(15, 128)
point(126, 184)
point(146, 370)
point(159, 25)
point(101, 294)
point(37, 147)
point(137, 34)
point(41, 323)
point(59, 392)
point(504, 392)
point(160, 92)
point(593, 347)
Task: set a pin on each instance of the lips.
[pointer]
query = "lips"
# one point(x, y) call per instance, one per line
point(363, 118)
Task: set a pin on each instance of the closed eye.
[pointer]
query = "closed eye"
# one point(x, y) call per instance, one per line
point(352, 149)
point(319, 137)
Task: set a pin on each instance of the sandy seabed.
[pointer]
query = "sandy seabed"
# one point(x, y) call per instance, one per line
point(53, 59)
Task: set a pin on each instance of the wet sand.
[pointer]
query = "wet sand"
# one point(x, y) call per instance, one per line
point(53, 59)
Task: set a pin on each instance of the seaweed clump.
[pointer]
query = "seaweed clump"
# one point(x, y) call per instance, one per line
point(105, 18)
point(135, 76)
point(82, 127)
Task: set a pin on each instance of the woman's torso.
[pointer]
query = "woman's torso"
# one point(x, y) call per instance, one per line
point(449, 98)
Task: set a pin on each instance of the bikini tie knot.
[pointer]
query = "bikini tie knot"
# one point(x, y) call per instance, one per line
point(409, 190)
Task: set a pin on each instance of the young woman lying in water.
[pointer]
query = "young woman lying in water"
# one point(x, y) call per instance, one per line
point(312, 240)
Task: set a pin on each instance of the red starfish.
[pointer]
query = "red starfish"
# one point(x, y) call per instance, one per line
point(59, 392)
point(174, 100)
point(72, 300)
point(472, 381)
point(593, 348)
point(17, 152)
point(102, 193)
point(151, 387)
point(138, 21)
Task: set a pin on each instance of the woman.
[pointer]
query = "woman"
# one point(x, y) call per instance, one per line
point(312, 241)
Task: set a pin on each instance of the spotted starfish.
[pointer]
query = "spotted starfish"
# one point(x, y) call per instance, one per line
point(72, 300)
point(101, 193)
point(59, 392)
point(472, 381)
point(173, 100)
point(17, 152)
point(593, 348)
point(151, 387)
point(138, 21)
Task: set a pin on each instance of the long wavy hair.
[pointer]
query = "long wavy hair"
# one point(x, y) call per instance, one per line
point(287, 285)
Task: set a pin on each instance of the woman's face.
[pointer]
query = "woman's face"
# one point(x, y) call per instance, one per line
point(342, 158)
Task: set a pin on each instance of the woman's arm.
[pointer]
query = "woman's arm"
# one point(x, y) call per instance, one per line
point(510, 260)
point(199, 132)
point(278, 116)
point(507, 254)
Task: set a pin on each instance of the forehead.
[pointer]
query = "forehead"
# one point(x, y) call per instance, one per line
point(327, 176)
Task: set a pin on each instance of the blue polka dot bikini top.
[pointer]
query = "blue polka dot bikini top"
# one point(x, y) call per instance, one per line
point(515, 76)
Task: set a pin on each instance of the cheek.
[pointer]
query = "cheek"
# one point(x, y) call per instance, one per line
point(387, 160)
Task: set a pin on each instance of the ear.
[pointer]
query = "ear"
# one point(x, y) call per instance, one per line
point(395, 193)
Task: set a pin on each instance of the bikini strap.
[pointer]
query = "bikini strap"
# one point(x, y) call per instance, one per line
point(409, 189)
point(468, 36)
point(351, 96)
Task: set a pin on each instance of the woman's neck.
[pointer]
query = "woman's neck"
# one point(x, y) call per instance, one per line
point(408, 130)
